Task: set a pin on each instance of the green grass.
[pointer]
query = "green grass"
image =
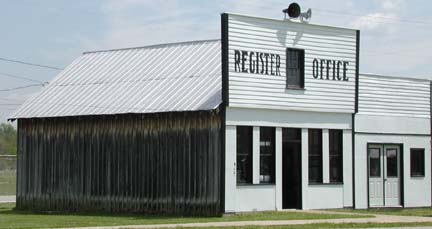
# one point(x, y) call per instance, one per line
point(425, 212)
point(10, 218)
point(7, 182)
point(333, 225)
point(7, 163)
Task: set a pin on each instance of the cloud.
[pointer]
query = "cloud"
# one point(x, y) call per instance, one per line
point(383, 19)
point(392, 5)
point(140, 22)
point(376, 21)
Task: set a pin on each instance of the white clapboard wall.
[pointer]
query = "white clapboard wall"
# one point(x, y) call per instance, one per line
point(394, 96)
point(274, 36)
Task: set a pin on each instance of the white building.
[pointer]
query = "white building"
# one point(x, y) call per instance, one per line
point(298, 134)
point(273, 116)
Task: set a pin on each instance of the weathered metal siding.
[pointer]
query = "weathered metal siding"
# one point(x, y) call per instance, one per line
point(153, 163)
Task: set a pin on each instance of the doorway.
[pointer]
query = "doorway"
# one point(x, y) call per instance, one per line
point(291, 168)
point(384, 165)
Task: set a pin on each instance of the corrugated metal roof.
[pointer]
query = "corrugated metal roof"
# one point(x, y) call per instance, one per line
point(161, 78)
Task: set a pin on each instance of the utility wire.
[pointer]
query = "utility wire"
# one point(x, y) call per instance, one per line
point(325, 11)
point(20, 77)
point(378, 17)
point(11, 99)
point(10, 104)
point(28, 63)
point(22, 87)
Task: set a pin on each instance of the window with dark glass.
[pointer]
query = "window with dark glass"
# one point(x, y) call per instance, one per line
point(392, 167)
point(267, 155)
point(244, 154)
point(374, 162)
point(315, 156)
point(335, 151)
point(294, 68)
point(417, 162)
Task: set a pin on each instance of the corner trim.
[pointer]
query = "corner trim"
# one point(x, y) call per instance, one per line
point(225, 65)
point(224, 105)
point(356, 104)
point(357, 71)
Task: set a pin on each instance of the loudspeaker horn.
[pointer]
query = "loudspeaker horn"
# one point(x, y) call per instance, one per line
point(294, 11)
point(306, 15)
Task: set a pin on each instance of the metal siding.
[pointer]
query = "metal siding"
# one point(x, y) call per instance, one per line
point(274, 36)
point(153, 163)
point(382, 95)
point(163, 78)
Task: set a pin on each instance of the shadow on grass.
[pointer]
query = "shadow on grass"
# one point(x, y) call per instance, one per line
point(142, 216)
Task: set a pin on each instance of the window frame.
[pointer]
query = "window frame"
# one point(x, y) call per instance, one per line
point(271, 154)
point(412, 164)
point(332, 154)
point(301, 67)
point(370, 164)
point(319, 155)
point(249, 166)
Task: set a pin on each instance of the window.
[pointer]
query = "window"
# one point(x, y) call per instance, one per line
point(315, 156)
point(391, 160)
point(267, 155)
point(244, 154)
point(294, 68)
point(335, 148)
point(417, 162)
point(374, 162)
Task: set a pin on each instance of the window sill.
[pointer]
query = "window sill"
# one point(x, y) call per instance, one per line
point(332, 183)
point(417, 176)
point(295, 88)
point(248, 184)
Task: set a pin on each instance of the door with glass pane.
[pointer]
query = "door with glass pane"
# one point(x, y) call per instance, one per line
point(384, 175)
point(392, 176)
point(376, 195)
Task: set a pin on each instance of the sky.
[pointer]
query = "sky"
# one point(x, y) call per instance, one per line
point(395, 34)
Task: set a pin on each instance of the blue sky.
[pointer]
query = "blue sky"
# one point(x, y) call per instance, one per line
point(395, 34)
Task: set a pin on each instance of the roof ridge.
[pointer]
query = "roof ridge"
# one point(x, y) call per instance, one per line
point(155, 45)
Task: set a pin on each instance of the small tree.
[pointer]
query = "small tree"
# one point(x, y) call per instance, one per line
point(8, 138)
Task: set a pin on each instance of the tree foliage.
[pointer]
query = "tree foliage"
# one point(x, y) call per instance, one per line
point(8, 137)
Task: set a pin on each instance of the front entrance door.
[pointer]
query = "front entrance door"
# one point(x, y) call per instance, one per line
point(291, 168)
point(384, 175)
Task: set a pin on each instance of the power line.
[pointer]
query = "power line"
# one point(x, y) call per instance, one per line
point(20, 77)
point(11, 99)
point(22, 87)
point(376, 16)
point(28, 63)
point(325, 11)
point(10, 104)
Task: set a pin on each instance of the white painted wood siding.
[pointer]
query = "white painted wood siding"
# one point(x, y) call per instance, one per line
point(248, 90)
point(383, 95)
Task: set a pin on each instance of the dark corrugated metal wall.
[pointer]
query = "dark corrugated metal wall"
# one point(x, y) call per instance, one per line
point(154, 163)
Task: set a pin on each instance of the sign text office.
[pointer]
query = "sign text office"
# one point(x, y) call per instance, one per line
point(269, 64)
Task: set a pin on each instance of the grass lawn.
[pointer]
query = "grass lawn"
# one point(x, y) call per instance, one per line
point(330, 225)
point(426, 212)
point(7, 182)
point(10, 218)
